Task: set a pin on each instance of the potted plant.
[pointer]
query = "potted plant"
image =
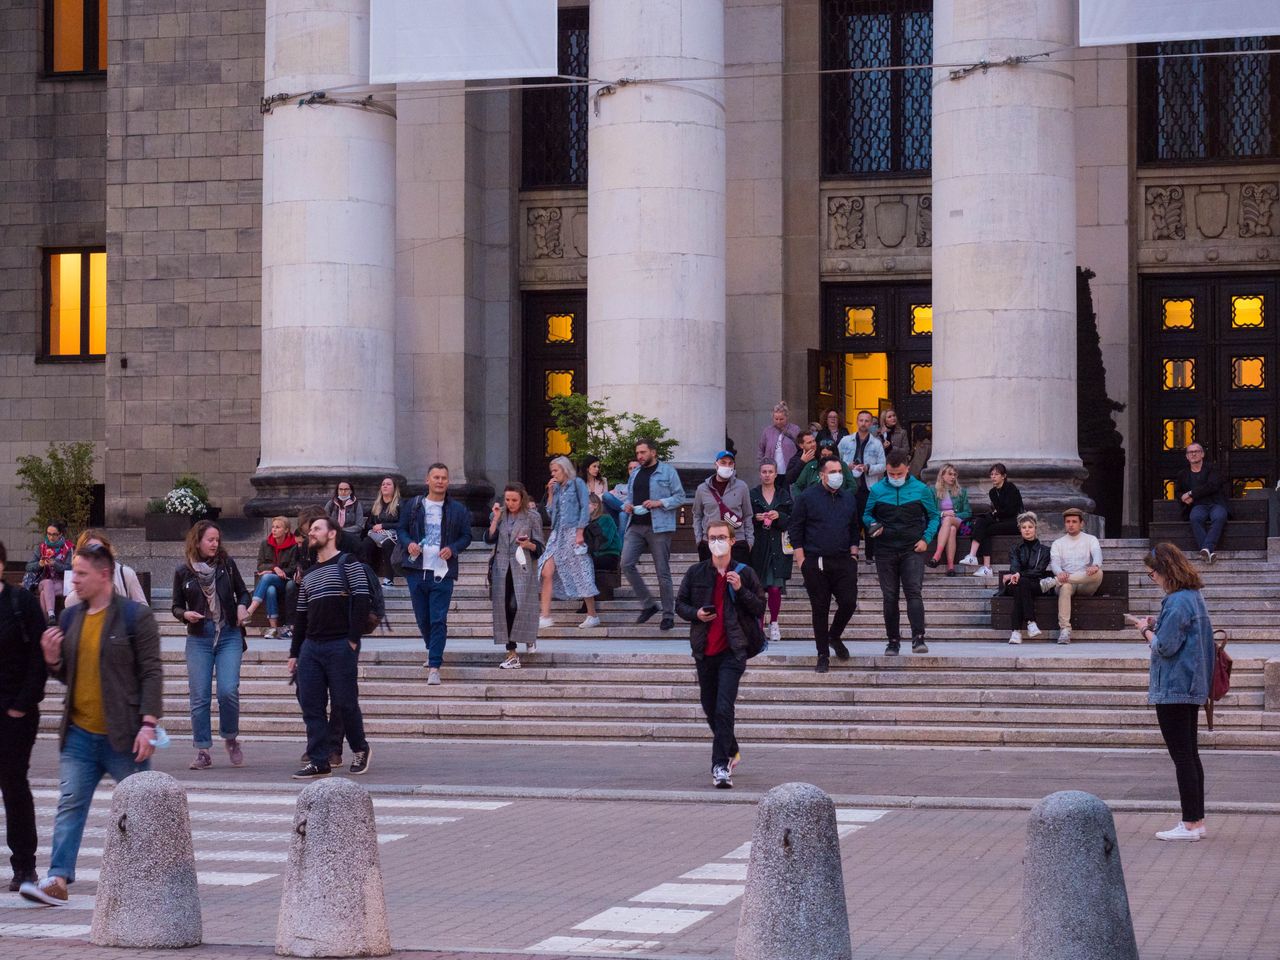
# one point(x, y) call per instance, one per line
point(59, 484)
point(171, 517)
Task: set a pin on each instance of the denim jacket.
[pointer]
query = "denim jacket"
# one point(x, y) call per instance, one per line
point(1182, 650)
point(664, 485)
point(570, 505)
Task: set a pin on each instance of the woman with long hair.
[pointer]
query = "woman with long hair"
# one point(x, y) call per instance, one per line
point(125, 580)
point(209, 596)
point(953, 504)
point(1182, 659)
point(345, 509)
point(515, 530)
point(277, 560)
point(594, 479)
point(830, 428)
point(565, 567)
point(380, 539)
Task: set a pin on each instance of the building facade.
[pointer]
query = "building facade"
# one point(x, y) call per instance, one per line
point(271, 294)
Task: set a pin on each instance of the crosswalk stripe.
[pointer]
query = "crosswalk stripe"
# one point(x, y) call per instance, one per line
point(693, 894)
point(739, 853)
point(848, 815)
point(592, 945)
point(205, 878)
point(717, 871)
point(643, 920)
point(245, 836)
point(231, 816)
point(39, 931)
point(291, 799)
point(15, 901)
point(264, 856)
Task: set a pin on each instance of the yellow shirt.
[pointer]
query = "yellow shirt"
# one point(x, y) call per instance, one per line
point(87, 711)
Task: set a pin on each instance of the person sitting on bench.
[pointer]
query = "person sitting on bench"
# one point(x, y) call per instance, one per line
point(1006, 505)
point(1076, 562)
point(1028, 566)
point(1199, 487)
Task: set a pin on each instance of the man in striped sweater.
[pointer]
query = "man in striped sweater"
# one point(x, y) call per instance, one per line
point(333, 605)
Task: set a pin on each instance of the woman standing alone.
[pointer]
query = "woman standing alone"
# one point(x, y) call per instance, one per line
point(515, 530)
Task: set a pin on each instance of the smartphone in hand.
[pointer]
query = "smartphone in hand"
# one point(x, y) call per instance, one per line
point(708, 610)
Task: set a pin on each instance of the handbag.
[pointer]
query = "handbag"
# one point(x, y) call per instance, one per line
point(1220, 682)
point(727, 515)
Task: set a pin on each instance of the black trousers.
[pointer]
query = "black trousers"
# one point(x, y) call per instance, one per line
point(17, 737)
point(901, 571)
point(718, 679)
point(327, 676)
point(863, 495)
point(1178, 726)
point(984, 528)
point(1024, 594)
point(378, 557)
point(838, 578)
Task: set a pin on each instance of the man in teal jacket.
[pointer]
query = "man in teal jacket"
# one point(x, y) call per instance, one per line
point(902, 516)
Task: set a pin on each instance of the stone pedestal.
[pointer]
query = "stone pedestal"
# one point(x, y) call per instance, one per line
point(328, 262)
point(1004, 240)
point(656, 218)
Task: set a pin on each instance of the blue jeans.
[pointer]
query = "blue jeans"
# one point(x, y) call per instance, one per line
point(431, 599)
point(327, 675)
point(86, 757)
point(203, 659)
point(270, 589)
point(1216, 515)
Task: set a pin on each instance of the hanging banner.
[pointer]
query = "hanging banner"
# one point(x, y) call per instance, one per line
point(1143, 21)
point(419, 41)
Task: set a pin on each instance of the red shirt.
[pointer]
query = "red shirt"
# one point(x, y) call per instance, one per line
point(717, 638)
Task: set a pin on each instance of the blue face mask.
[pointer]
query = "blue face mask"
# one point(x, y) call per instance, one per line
point(896, 481)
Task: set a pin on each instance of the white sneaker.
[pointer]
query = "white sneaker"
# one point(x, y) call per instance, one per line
point(1064, 636)
point(969, 561)
point(983, 572)
point(1180, 832)
point(545, 622)
point(1015, 637)
point(269, 634)
point(1205, 554)
point(775, 632)
point(1033, 630)
point(511, 663)
point(1047, 584)
point(588, 623)
point(433, 677)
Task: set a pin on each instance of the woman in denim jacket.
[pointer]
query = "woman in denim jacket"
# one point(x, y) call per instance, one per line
point(1182, 655)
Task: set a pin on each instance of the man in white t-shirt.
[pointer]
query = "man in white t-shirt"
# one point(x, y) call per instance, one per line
point(1076, 562)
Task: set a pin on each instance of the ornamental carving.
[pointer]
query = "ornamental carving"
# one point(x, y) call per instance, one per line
point(891, 221)
point(845, 219)
point(544, 233)
point(924, 221)
point(1167, 214)
point(1257, 203)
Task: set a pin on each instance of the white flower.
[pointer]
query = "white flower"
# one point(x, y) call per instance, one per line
point(182, 500)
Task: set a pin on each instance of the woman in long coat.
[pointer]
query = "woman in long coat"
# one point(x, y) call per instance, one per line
point(514, 525)
point(771, 506)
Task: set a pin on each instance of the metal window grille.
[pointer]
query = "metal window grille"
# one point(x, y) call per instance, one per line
point(1209, 109)
point(554, 121)
point(878, 122)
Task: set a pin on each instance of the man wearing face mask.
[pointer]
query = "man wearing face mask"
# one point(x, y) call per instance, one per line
point(722, 496)
point(864, 454)
point(902, 517)
point(824, 529)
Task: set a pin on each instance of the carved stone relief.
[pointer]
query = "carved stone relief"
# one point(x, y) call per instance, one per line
point(544, 232)
point(1165, 207)
point(882, 229)
point(1207, 218)
point(1257, 203)
point(553, 239)
point(844, 219)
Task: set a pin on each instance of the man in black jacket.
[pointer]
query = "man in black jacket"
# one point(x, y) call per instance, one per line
point(824, 529)
point(22, 676)
point(806, 450)
point(1199, 487)
point(723, 601)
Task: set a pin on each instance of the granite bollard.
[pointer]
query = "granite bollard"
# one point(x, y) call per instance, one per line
point(793, 907)
point(1074, 903)
point(332, 904)
point(147, 894)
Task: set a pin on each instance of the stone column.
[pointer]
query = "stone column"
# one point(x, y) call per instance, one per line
point(328, 263)
point(1004, 248)
point(656, 218)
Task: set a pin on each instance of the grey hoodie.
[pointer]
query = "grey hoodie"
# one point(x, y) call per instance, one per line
point(737, 497)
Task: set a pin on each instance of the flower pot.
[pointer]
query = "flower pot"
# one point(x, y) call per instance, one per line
point(166, 526)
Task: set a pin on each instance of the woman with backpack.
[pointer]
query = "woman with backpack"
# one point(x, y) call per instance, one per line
point(515, 530)
point(209, 596)
point(565, 568)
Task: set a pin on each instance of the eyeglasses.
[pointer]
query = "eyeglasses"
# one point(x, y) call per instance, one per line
point(717, 539)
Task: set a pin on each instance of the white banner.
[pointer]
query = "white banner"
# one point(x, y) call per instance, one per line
point(1142, 21)
point(418, 41)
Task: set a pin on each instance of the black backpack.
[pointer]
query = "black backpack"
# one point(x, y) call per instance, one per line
point(377, 603)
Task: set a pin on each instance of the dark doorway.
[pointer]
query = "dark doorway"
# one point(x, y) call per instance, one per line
point(555, 365)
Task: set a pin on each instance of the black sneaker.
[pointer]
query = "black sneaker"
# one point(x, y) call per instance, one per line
point(647, 613)
point(822, 666)
point(22, 876)
point(891, 648)
point(842, 652)
point(360, 761)
point(335, 758)
point(667, 623)
point(918, 645)
point(312, 772)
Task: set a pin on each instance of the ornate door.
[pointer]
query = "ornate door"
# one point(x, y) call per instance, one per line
point(555, 364)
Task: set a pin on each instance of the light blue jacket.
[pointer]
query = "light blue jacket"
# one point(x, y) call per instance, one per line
point(1182, 650)
point(664, 485)
point(570, 506)
point(872, 456)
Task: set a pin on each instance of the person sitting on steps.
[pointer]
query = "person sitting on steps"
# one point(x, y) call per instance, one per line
point(1199, 487)
point(1006, 505)
point(1028, 566)
point(1076, 564)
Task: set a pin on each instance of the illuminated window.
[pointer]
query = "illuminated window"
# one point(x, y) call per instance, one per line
point(922, 320)
point(76, 297)
point(1178, 433)
point(1179, 314)
point(1170, 492)
point(1246, 313)
point(1241, 485)
point(1179, 373)
point(1248, 373)
point(866, 382)
point(921, 378)
point(1249, 433)
point(559, 383)
point(860, 321)
point(557, 443)
point(75, 36)
point(560, 328)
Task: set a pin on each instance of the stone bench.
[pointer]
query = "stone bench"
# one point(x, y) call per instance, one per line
point(1104, 610)
point(1246, 526)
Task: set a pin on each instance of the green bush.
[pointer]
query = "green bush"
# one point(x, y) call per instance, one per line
point(594, 430)
point(59, 484)
point(194, 484)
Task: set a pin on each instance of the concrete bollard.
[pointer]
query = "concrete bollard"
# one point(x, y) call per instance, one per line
point(147, 895)
point(333, 905)
point(793, 907)
point(1074, 904)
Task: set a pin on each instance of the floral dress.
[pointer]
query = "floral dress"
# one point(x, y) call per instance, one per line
point(575, 575)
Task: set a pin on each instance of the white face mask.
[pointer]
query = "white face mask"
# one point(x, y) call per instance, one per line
point(724, 473)
point(719, 548)
point(896, 481)
point(835, 480)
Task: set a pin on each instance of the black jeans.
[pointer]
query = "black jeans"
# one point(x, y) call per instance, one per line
point(17, 737)
point(378, 556)
point(905, 570)
point(864, 494)
point(984, 528)
point(718, 679)
point(838, 578)
point(1024, 594)
point(327, 675)
point(1178, 723)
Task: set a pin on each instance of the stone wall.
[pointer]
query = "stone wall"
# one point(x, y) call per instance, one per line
point(51, 195)
point(184, 202)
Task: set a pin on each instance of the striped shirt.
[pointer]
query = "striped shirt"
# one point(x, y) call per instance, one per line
point(325, 611)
